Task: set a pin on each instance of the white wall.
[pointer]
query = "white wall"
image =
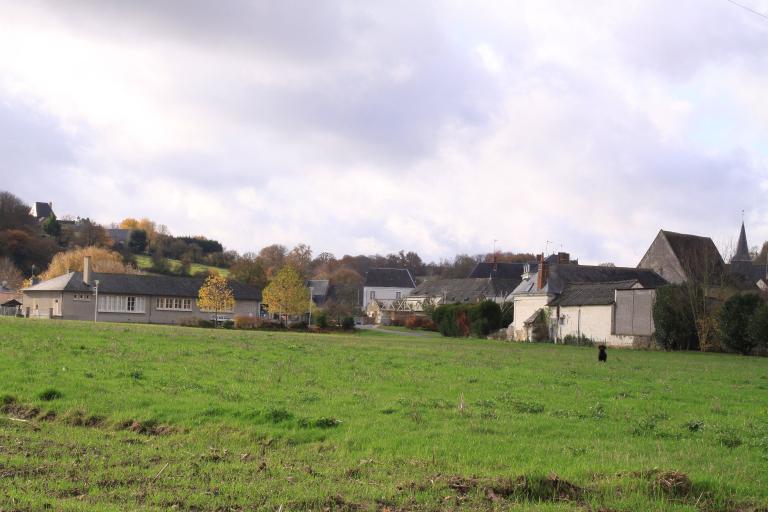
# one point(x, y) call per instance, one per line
point(525, 306)
point(595, 322)
point(386, 294)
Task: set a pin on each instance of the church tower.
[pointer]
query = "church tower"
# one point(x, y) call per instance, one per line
point(741, 262)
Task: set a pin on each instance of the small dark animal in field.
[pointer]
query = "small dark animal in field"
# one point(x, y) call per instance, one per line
point(602, 356)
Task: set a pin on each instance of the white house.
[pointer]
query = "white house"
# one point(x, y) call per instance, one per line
point(581, 300)
point(612, 313)
point(386, 285)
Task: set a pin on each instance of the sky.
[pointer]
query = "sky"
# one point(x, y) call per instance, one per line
point(370, 127)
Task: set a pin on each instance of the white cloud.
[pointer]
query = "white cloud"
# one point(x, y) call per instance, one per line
point(355, 128)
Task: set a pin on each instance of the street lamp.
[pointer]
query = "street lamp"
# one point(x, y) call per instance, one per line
point(96, 301)
point(310, 306)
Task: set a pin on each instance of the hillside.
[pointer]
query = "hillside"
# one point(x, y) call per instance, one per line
point(100, 416)
point(144, 262)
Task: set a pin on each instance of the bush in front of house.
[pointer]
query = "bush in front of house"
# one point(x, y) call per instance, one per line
point(758, 326)
point(348, 324)
point(742, 322)
point(321, 320)
point(578, 341)
point(420, 322)
point(247, 322)
point(461, 320)
point(672, 316)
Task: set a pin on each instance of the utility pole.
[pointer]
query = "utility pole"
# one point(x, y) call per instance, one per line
point(310, 306)
point(96, 301)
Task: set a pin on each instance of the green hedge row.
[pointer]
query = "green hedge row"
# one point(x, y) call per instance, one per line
point(461, 320)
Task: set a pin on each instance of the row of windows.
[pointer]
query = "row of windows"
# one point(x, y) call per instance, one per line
point(82, 296)
point(131, 304)
point(121, 304)
point(174, 303)
point(372, 295)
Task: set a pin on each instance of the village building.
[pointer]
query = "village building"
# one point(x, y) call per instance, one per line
point(536, 301)
point(128, 298)
point(680, 258)
point(41, 211)
point(612, 313)
point(118, 236)
point(320, 290)
point(386, 285)
point(746, 272)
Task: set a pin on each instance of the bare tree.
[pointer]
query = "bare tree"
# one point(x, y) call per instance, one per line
point(9, 274)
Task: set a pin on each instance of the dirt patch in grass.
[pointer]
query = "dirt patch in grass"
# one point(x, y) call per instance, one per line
point(673, 484)
point(18, 410)
point(521, 488)
point(80, 418)
point(148, 427)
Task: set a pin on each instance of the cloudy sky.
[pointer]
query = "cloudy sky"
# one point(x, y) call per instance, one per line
point(362, 127)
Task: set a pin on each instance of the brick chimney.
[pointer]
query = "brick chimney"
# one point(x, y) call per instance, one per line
point(541, 278)
point(87, 271)
point(563, 258)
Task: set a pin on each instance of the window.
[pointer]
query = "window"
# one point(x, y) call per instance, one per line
point(372, 295)
point(86, 297)
point(397, 295)
point(121, 304)
point(174, 303)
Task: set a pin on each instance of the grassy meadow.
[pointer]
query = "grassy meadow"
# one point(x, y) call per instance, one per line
point(144, 262)
point(127, 417)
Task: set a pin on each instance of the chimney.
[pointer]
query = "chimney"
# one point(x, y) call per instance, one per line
point(495, 262)
point(541, 278)
point(563, 258)
point(87, 271)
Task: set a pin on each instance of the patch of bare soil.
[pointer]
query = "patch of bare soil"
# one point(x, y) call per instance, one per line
point(19, 410)
point(149, 428)
point(673, 483)
point(550, 488)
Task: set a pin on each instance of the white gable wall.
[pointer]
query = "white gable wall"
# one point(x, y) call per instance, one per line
point(384, 293)
point(525, 306)
point(594, 322)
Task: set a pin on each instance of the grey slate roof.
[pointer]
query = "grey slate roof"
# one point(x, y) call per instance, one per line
point(389, 278)
point(118, 235)
point(697, 255)
point(320, 290)
point(41, 210)
point(135, 284)
point(591, 294)
point(456, 290)
point(501, 270)
point(561, 276)
point(742, 248)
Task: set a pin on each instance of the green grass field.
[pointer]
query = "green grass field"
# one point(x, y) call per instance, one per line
point(120, 417)
point(144, 262)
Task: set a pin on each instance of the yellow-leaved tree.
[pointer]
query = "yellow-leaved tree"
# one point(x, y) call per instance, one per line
point(286, 294)
point(216, 296)
point(103, 260)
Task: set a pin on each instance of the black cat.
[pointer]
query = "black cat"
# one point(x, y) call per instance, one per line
point(602, 357)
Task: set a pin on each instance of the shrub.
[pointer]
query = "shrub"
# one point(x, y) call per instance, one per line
point(348, 324)
point(578, 341)
point(735, 318)
point(459, 320)
point(672, 316)
point(758, 326)
point(321, 320)
point(420, 322)
point(247, 322)
point(507, 314)
point(540, 328)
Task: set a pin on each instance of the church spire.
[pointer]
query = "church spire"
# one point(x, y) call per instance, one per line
point(742, 248)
